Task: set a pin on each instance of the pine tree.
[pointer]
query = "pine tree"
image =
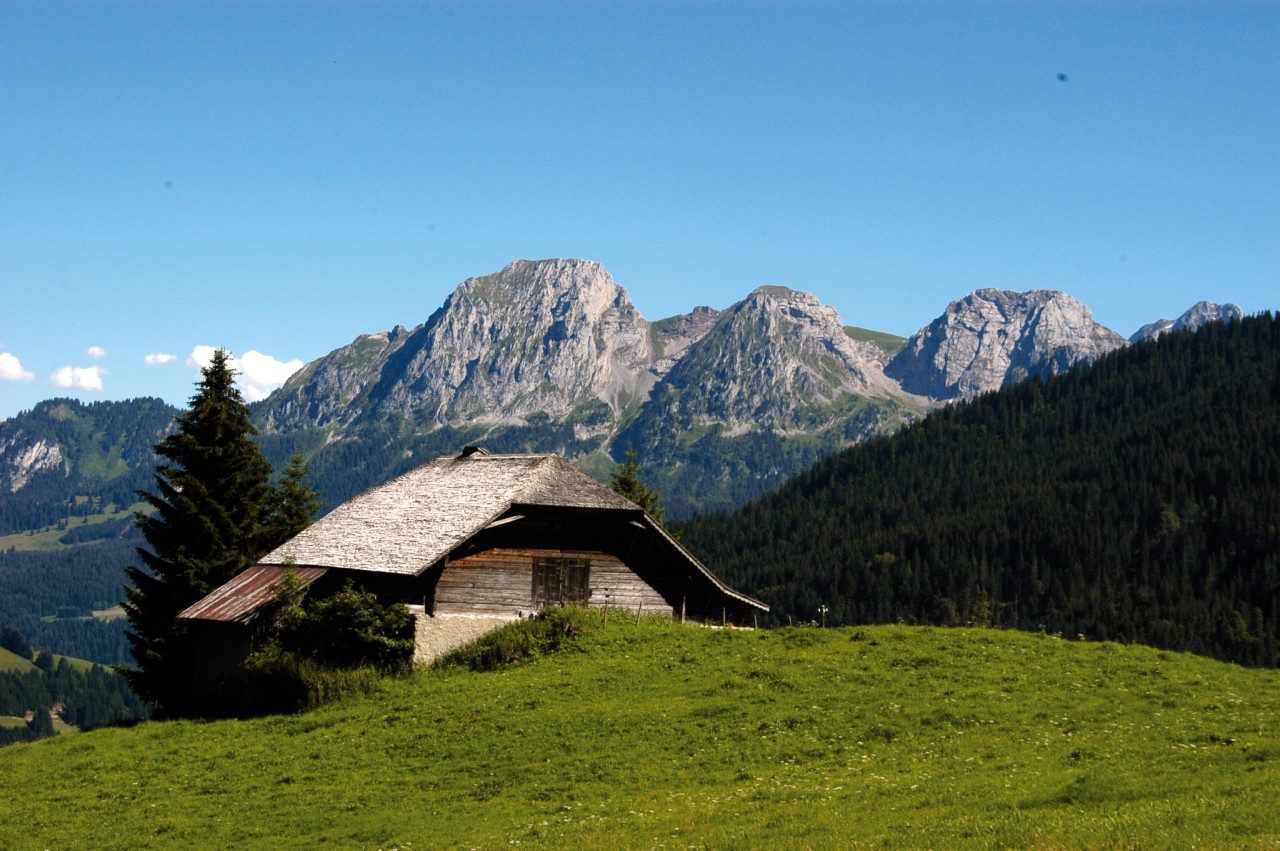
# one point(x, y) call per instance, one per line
point(626, 481)
point(14, 641)
point(210, 521)
point(295, 504)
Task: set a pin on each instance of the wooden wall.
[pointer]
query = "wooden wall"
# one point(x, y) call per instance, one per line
point(500, 579)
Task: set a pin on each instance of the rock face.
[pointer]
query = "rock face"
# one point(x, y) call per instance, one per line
point(778, 358)
point(1200, 313)
point(24, 457)
point(330, 389)
point(537, 338)
point(677, 334)
point(534, 338)
point(992, 338)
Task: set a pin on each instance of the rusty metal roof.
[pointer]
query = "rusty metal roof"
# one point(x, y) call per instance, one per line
point(245, 595)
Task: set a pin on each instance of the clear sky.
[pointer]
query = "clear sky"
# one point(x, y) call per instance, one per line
point(278, 178)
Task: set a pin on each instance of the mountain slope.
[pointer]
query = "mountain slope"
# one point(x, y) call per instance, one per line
point(1134, 499)
point(661, 735)
point(552, 356)
point(774, 384)
point(63, 448)
point(537, 338)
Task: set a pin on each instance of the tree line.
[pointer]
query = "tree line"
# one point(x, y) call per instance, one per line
point(50, 596)
point(82, 698)
point(1134, 499)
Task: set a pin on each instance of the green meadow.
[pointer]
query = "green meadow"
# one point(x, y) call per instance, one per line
point(650, 734)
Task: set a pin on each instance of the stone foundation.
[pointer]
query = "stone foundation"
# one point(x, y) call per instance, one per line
point(436, 635)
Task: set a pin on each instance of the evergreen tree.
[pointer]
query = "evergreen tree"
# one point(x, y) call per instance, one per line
point(211, 520)
point(296, 503)
point(13, 640)
point(627, 482)
point(41, 724)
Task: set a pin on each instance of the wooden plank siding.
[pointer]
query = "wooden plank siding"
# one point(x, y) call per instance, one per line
point(500, 579)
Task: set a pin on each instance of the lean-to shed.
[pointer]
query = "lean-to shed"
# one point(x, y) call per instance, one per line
point(473, 541)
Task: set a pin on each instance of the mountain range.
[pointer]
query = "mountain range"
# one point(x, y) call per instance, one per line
point(719, 405)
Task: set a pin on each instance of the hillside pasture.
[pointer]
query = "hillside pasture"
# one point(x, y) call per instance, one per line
point(10, 661)
point(645, 734)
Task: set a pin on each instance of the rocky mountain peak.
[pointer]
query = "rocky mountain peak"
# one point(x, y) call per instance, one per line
point(770, 356)
point(992, 338)
point(538, 337)
point(1199, 313)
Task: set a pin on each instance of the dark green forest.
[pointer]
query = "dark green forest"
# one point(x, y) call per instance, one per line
point(83, 698)
point(50, 597)
point(1135, 499)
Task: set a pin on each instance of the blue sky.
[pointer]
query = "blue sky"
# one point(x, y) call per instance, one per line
point(277, 178)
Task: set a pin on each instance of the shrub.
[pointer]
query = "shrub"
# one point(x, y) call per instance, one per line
point(282, 681)
point(544, 633)
point(326, 647)
point(349, 629)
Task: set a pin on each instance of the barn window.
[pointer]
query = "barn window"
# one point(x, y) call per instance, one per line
point(560, 581)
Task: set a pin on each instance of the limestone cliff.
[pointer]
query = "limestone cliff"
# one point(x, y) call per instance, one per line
point(992, 338)
point(778, 358)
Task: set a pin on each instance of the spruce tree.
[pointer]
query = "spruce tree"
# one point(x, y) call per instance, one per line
point(14, 641)
point(627, 482)
point(295, 502)
point(210, 520)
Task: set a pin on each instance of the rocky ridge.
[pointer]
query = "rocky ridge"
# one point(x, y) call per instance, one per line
point(1200, 313)
point(992, 338)
point(774, 360)
point(24, 458)
point(552, 356)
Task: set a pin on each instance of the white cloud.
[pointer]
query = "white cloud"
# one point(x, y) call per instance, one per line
point(97, 352)
point(81, 378)
point(157, 358)
point(259, 374)
point(11, 369)
point(200, 357)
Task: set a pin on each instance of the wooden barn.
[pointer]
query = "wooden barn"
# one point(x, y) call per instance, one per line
point(470, 543)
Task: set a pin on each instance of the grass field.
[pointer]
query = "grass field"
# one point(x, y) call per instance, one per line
point(660, 735)
point(10, 661)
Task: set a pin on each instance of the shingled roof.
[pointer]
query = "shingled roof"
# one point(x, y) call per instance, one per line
point(413, 521)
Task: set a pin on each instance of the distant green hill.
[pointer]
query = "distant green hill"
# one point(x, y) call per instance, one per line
point(66, 460)
point(65, 692)
point(1133, 499)
point(662, 735)
point(51, 596)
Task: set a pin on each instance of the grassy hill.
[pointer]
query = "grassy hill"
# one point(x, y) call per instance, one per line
point(656, 734)
point(10, 661)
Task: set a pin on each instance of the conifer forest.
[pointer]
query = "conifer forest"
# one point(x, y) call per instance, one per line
point(1135, 499)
